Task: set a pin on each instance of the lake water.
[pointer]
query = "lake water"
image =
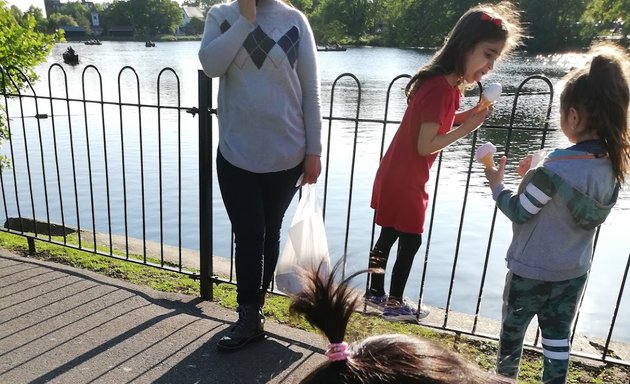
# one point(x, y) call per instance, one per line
point(374, 68)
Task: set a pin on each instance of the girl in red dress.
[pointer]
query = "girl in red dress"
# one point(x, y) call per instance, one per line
point(399, 195)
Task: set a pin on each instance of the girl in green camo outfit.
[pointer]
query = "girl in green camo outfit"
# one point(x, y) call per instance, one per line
point(558, 208)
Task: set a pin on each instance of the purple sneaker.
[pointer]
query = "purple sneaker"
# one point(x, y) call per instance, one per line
point(405, 311)
point(375, 301)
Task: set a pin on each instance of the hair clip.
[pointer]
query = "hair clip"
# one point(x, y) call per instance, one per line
point(495, 20)
point(337, 352)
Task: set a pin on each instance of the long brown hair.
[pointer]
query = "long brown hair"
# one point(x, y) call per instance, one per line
point(383, 359)
point(484, 22)
point(600, 93)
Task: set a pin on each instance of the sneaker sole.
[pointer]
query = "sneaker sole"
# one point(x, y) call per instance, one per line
point(423, 314)
point(375, 306)
point(232, 348)
point(401, 318)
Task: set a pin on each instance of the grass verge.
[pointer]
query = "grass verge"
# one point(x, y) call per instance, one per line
point(361, 325)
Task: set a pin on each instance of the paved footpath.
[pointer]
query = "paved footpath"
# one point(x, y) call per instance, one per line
point(60, 324)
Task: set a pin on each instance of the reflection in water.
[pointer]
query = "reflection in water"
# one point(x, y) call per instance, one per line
point(375, 68)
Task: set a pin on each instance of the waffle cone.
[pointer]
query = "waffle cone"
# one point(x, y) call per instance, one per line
point(484, 102)
point(487, 160)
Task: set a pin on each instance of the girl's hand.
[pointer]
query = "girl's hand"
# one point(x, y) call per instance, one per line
point(312, 169)
point(477, 116)
point(494, 175)
point(248, 9)
point(523, 165)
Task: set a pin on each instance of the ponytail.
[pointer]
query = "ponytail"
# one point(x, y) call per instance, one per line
point(601, 93)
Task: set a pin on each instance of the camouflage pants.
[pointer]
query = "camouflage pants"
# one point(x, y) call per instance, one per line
point(555, 304)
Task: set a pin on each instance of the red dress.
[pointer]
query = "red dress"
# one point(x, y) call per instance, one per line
point(399, 194)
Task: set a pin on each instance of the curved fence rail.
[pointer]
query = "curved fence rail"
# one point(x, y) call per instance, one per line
point(129, 179)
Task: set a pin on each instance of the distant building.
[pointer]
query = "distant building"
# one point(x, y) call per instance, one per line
point(121, 31)
point(188, 13)
point(73, 33)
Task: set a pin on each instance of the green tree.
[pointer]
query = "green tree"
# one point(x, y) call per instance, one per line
point(80, 13)
point(153, 17)
point(194, 26)
point(606, 18)
point(553, 24)
point(115, 14)
point(21, 47)
point(41, 24)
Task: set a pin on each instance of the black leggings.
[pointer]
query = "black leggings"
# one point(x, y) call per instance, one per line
point(255, 204)
point(408, 245)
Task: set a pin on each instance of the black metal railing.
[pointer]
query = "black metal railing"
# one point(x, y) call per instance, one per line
point(87, 162)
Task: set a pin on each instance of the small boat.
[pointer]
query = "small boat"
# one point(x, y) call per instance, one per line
point(331, 47)
point(149, 44)
point(92, 42)
point(70, 56)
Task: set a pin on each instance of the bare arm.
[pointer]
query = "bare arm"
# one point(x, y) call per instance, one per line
point(429, 141)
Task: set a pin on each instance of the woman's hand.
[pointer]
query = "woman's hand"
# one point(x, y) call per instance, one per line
point(248, 9)
point(312, 169)
point(494, 175)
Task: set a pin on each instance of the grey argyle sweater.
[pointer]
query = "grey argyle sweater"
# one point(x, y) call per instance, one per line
point(268, 101)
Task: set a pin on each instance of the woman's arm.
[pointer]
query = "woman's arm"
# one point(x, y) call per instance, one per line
point(219, 47)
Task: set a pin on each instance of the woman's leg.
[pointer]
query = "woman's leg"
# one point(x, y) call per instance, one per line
point(278, 190)
point(243, 199)
point(378, 259)
point(556, 322)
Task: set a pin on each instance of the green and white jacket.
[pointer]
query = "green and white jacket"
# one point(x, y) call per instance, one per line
point(556, 212)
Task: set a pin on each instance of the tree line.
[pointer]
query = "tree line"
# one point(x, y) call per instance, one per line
point(552, 25)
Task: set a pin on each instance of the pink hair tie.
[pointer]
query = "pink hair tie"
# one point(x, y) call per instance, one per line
point(337, 351)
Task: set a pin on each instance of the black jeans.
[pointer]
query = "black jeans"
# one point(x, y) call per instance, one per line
point(255, 204)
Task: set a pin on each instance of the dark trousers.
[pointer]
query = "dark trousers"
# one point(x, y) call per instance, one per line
point(255, 204)
point(555, 304)
point(408, 245)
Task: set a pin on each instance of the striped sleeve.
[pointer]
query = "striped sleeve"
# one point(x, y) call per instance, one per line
point(521, 207)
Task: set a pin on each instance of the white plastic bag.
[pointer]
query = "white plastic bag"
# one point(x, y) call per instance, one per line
point(306, 246)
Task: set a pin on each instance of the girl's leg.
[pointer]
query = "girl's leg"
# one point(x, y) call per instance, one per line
point(378, 259)
point(408, 245)
point(521, 300)
point(243, 200)
point(556, 321)
point(278, 190)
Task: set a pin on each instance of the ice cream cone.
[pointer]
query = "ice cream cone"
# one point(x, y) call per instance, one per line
point(484, 102)
point(485, 154)
point(487, 160)
point(490, 94)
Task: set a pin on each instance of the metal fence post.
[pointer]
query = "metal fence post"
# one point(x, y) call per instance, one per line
point(205, 185)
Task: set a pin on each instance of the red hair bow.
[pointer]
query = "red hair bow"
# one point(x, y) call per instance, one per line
point(486, 17)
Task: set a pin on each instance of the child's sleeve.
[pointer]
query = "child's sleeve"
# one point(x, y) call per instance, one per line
point(521, 207)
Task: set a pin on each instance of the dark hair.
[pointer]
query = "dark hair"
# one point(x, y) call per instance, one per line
point(382, 359)
point(484, 22)
point(600, 93)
